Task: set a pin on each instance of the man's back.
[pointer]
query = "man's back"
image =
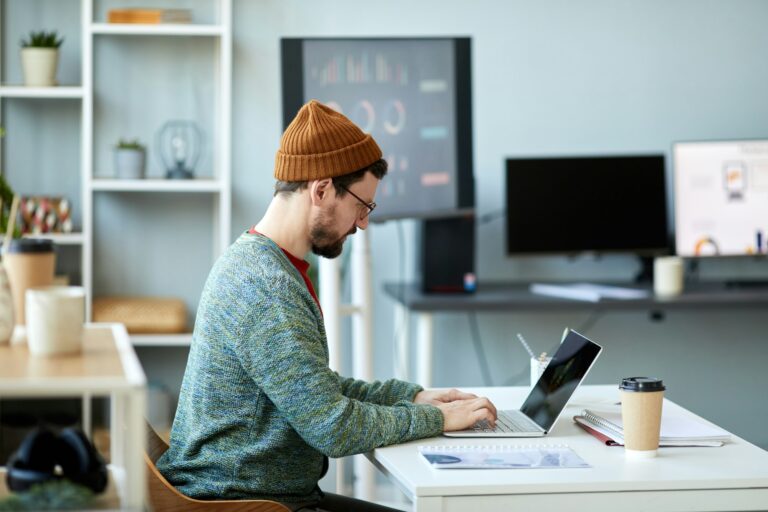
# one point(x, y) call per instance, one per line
point(259, 407)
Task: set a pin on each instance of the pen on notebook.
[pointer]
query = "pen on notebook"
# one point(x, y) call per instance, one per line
point(525, 345)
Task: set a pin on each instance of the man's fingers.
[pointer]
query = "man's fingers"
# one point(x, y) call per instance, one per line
point(484, 415)
point(455, 394)
point(484, 403)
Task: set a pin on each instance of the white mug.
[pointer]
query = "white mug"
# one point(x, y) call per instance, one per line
point(668, 276)
point(55, 317)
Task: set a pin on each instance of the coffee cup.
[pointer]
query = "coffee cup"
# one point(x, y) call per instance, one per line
point(29, 263)
point(641, 403)
point(55, 317)
point(668, 276)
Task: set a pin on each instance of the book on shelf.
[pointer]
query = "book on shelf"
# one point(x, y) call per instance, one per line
point(676, 430)
point(501, 457)
point(149, 16)
point(588, 292)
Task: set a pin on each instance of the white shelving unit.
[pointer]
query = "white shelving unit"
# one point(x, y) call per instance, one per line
point(61, 238)
point(17, 91)
point(92, 32)
point(219, 186)
point(160, 30)
point(158, 185)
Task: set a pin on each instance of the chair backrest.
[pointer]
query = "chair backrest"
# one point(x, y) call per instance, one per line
point(163, 497)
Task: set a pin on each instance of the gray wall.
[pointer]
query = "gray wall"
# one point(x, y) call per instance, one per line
point(553, 77)
point(549, 77)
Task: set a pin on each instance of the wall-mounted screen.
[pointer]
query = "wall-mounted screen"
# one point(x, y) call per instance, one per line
point(721, 198)
point(413, 96)
point(569, 205)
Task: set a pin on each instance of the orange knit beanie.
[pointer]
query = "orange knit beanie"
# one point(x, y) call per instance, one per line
point(322, 143)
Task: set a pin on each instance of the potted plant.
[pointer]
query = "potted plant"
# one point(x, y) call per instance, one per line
point(130, 156)
point(39, 58)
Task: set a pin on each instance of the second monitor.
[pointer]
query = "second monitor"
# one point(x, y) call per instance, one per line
point(601, 204)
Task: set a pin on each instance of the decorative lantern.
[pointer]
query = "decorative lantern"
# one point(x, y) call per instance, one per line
point(179, 144)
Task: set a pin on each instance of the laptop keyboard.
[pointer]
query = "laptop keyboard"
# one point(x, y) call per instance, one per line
point(506, 422)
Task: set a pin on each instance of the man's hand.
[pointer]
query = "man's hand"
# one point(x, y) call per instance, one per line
point(460, 410)
point(441, 396)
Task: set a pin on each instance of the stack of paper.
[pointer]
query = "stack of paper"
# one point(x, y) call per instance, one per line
point(676, 430)
point(588, 292)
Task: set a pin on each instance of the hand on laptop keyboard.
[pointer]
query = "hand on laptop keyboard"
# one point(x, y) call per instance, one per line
point(463, 414)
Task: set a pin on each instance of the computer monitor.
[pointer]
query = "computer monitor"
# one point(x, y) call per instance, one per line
point(596, 204)
point(721, 197)
point(413, 95)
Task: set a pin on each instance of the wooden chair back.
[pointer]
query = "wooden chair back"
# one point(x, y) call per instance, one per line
point(163, 497)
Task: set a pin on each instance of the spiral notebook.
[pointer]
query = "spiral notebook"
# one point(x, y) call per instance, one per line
point(502, 457)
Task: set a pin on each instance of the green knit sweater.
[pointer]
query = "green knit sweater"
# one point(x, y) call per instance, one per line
point(259, 407)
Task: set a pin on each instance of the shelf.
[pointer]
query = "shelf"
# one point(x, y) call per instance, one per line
point(156, 185)
point(60, 238)
point(161, 340)
point(167, 29)
point(21, 91)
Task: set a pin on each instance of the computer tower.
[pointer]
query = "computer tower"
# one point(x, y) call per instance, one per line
point(448, 255)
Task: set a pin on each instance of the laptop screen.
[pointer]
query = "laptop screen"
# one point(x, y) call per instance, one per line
point(560, 379)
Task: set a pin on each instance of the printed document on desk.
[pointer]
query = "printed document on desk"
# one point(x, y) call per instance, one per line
point(501, 457)
point(588, 291)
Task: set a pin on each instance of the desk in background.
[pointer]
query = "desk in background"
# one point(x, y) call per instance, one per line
point(516, 297)
point(107, 366)
point(732, 477)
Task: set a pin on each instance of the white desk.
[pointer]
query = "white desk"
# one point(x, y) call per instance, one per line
point(733, 477)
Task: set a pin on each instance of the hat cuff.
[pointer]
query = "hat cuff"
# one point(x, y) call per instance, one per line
point(327, 165)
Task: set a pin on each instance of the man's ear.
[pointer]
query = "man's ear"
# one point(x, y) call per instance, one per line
point(320, 191)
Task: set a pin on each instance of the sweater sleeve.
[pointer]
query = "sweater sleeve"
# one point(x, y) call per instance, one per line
point(388, 392)
point(281, 348)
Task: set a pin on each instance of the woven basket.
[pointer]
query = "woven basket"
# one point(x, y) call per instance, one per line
point(142, 315)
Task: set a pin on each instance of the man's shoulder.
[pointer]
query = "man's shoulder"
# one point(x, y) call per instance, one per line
point(252, 263)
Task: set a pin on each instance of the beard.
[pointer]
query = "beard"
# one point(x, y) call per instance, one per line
point(324, 239)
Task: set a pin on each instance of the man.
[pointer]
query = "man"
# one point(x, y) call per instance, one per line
point(260, 410)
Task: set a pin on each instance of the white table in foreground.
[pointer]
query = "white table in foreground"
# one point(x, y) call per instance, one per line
point(732, 477)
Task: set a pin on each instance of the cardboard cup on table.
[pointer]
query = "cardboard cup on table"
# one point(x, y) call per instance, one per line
point(641, 404)
point(55, 317)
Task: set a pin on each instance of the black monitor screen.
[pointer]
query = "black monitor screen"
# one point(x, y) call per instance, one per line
point(587, 204)
point(560, 379)
point(412, 95)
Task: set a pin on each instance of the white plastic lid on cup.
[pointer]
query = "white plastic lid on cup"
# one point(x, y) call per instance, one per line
point(55, 317)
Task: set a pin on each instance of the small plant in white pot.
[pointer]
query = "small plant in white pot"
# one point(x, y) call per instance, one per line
point(40, 57)
point(130, 157)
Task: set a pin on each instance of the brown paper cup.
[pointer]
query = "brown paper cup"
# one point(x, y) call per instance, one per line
point(29, 263)
point(641, 416)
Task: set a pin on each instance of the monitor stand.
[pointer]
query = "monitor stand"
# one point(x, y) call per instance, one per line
point(645, 272)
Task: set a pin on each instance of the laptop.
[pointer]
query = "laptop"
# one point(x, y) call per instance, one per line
point(548, 398)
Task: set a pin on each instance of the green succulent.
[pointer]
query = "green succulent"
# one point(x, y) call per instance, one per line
point(129, 144)
point(42, 39)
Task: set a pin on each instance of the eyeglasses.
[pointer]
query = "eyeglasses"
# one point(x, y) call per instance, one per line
point(369, 207)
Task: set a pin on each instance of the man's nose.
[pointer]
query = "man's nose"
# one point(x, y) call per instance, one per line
point(362, 223)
